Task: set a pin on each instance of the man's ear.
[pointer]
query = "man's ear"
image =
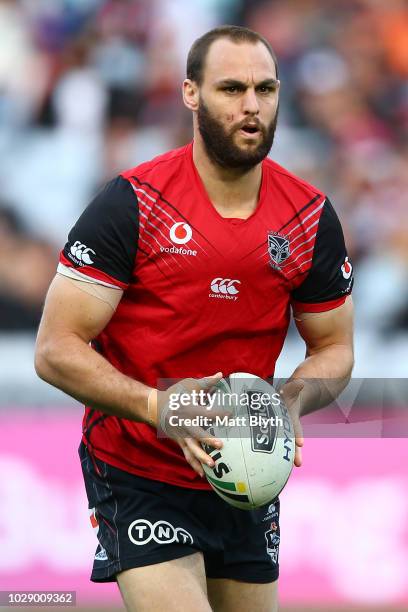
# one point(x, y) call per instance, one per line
point(190, 94)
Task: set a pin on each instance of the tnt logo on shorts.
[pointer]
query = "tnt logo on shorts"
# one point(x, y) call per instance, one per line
point(142, 531)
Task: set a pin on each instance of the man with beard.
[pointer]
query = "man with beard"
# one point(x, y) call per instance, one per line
point(185, 266)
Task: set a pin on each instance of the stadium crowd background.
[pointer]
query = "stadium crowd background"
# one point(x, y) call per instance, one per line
point(91, 87)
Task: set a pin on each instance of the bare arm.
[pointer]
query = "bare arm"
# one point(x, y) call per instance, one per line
point(329, 354)
point(64, 358)
point(327, 367)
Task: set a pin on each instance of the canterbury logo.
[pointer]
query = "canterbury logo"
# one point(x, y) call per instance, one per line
point(225, 286)
point(81, 252)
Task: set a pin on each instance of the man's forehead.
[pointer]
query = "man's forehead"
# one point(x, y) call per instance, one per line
point(227, 59)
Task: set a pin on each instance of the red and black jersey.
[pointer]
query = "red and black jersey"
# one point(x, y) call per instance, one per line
point(202, 293)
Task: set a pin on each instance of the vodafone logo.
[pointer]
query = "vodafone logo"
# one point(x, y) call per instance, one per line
point(181, 233)
point(224, 288)
point(142, 531)
point(347, 269)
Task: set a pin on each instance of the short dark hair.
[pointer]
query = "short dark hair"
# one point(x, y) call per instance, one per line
point(198, 52)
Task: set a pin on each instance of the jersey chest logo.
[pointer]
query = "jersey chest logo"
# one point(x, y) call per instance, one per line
point(278, 249)
point(180, 233)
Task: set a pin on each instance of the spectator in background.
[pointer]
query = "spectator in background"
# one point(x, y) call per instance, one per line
point(121, 31)
point(27, 264)
point(87, 88)
point(20, 96)
point(79, 81)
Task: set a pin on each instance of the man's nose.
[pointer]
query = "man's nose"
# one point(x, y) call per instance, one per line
point(250, 102)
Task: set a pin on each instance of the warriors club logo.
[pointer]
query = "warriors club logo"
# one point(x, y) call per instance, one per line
point(278, 249)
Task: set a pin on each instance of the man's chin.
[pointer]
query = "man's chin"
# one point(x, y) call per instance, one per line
point(246, 160)
point(249, 145)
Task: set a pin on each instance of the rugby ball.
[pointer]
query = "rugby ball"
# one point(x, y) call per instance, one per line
point(258, 450)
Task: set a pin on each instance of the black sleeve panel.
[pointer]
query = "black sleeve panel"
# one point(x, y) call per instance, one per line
point(106, 234)
point(331, 275)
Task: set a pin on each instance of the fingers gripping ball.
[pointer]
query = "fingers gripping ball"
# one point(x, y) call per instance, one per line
point(258, 450)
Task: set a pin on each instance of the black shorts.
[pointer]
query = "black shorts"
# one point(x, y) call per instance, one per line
point(141, 522)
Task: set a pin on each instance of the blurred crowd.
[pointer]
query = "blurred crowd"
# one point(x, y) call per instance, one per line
point(91, 87)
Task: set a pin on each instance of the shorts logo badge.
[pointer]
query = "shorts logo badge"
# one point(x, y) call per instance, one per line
point(278, 249)
point(94, 519)
point(142, 531)
point(101, 554)
point(272, 545)
point(271, 514)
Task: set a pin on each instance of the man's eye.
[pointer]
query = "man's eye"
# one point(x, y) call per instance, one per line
point(232, 89)
point(265, 90)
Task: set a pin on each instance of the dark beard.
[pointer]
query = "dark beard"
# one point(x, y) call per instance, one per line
point(220, 145)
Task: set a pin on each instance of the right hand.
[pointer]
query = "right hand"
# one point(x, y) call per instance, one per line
point(189, 437)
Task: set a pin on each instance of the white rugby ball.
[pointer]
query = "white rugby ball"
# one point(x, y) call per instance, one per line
point(258, 450)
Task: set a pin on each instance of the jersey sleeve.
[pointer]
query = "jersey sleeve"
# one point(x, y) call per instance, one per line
point(102, 245)
point(330, 278)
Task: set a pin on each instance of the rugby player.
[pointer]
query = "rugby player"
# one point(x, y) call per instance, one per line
point(187, 267)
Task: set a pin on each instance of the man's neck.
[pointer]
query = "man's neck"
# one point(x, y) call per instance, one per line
point(233, 193)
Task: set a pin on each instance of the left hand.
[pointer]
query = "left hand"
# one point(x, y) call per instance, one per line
point(290, 393)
